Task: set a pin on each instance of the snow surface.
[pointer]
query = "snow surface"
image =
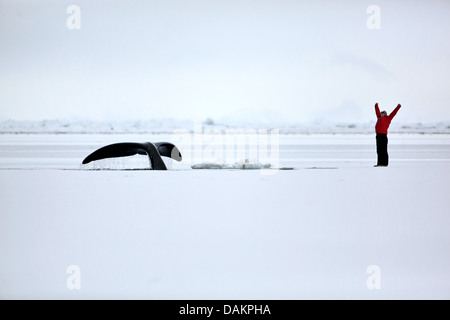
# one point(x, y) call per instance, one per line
point(306, 233)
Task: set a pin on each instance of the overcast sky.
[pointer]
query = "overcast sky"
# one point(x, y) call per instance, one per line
point(283, 60)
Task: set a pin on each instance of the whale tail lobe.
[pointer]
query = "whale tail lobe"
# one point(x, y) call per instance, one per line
point(125, 149)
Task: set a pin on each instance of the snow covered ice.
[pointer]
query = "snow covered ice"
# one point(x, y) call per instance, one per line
point(312, 232)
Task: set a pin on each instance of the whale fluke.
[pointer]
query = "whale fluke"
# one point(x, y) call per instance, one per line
point(125, 149)
point(169, 150)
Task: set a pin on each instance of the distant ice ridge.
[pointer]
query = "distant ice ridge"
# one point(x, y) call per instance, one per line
point(92, 126)
point(63, 126)
point(241, 165)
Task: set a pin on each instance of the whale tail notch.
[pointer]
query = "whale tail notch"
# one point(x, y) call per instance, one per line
point(125, 149)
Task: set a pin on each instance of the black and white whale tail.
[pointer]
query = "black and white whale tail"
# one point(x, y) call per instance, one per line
point(125, 149)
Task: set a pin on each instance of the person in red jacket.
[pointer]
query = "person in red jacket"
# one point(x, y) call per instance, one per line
point(381, 129)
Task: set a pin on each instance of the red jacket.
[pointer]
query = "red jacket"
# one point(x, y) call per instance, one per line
point(382, 125)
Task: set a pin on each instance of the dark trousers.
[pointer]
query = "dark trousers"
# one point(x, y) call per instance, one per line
point(382, 144)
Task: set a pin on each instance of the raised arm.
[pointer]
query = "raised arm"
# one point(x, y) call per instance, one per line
point(393, 113)
point(377, 110)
